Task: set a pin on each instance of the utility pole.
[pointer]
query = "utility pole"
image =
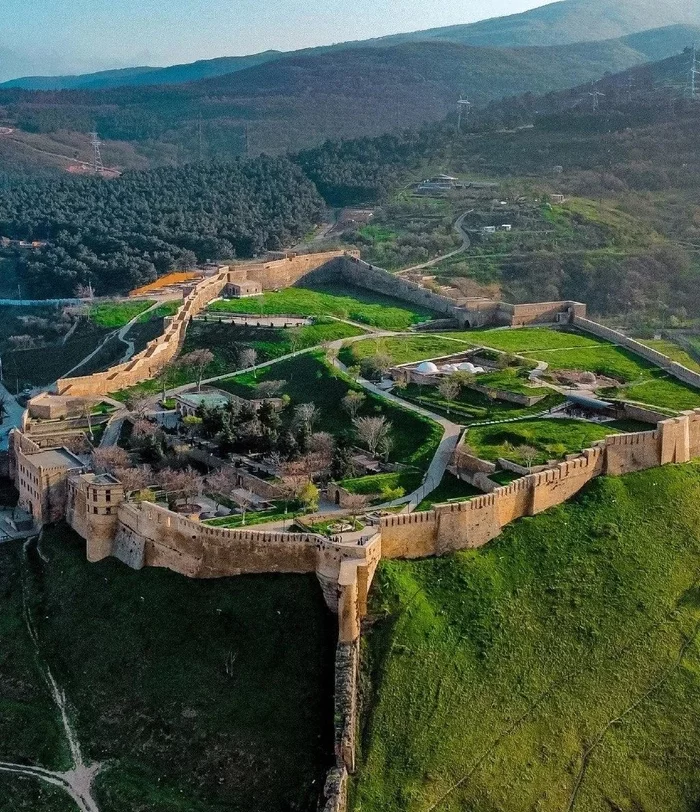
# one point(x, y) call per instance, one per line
point(464, 107)
point(694, 72)
point(596, 94)
point(97, 165)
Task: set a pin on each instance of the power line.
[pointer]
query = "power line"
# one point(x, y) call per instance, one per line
point(97, 165)
point(464, 106)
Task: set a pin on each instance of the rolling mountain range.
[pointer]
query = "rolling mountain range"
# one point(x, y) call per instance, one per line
point(298, 101)
point(559, 23)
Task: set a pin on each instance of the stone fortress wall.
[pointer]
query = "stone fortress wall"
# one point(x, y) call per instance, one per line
point(672, 367)
point(468, 313)
point(148, 535)
point(159, 352)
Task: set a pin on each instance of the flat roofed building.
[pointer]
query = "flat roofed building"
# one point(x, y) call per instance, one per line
point(41, 480)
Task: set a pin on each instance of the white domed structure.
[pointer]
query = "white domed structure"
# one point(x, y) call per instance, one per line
point(450, 368)
point(467, 366)
point(427, 368)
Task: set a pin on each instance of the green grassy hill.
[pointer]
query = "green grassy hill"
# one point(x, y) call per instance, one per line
point(555, 669)
point(198, 696)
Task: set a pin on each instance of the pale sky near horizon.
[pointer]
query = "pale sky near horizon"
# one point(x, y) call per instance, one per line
point(53, 36)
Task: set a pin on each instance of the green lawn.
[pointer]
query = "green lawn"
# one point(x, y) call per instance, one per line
point(450, 489)
point(402, 349)
point(553, 439)
point(408, 481)
point(163, 310)
point(341, 301)
point(252, 517)
point(310, 379)
point(116, 314)
point(227, 340)
point(664, 392)
point(614, 362)
point(527, 339)
point(143, 659)
point(489, 673)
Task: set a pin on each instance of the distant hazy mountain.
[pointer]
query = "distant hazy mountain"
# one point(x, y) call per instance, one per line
point(135, 77)
point(560, 23)
point(565, 22)
point(303, 99)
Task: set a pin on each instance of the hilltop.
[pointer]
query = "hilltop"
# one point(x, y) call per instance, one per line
point(301, 100)
point(559, 23)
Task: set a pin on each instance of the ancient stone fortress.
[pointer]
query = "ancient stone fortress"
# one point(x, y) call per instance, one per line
point(53, 483)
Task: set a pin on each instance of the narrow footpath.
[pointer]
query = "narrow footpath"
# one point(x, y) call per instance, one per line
point(78, 780)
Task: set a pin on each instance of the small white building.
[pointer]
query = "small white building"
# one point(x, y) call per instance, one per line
point(488, 229)
point(506, 227)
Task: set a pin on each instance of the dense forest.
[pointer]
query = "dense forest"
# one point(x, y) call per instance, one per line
point(119, 234)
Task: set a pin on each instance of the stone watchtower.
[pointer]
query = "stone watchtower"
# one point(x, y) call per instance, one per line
point(92, 511)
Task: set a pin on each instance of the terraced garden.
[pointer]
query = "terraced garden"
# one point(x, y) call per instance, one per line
point(557, 668)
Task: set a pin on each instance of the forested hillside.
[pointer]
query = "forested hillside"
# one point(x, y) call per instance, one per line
point(120, 234)
point(300, 100)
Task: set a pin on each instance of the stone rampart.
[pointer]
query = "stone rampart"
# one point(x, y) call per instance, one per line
point(659, 359)
point(467, 313)
point(473, 523)
point(159, 352)
point(283, 273)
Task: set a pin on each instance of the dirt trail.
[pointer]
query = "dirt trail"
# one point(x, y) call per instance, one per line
point(77, 781)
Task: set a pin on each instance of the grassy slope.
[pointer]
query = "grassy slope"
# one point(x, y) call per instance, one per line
point(142, 658)
point(552, 438)
point(405, 349)
point(342, 301)
point(116, 314)
point(492, 671)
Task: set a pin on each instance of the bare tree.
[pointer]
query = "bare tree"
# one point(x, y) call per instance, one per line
point(353, 402)
point(307, 414)
point(371, 431)
point(449, 389)
point(107, 459)
point(221, 483)
point(528, 454)
point(167, 376)
point(135, 479)
point(247, 358)
point(355, 503)
point(198, 360)
point(178, 485)
point(145, 428)
point(385, 446)
point(140, 406)
point(268, 389)
point(294, 335)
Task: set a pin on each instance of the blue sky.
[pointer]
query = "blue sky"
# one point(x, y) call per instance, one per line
point(49, 36)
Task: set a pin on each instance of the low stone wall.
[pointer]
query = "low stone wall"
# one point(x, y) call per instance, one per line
point(244, 479)
point(672, 367)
